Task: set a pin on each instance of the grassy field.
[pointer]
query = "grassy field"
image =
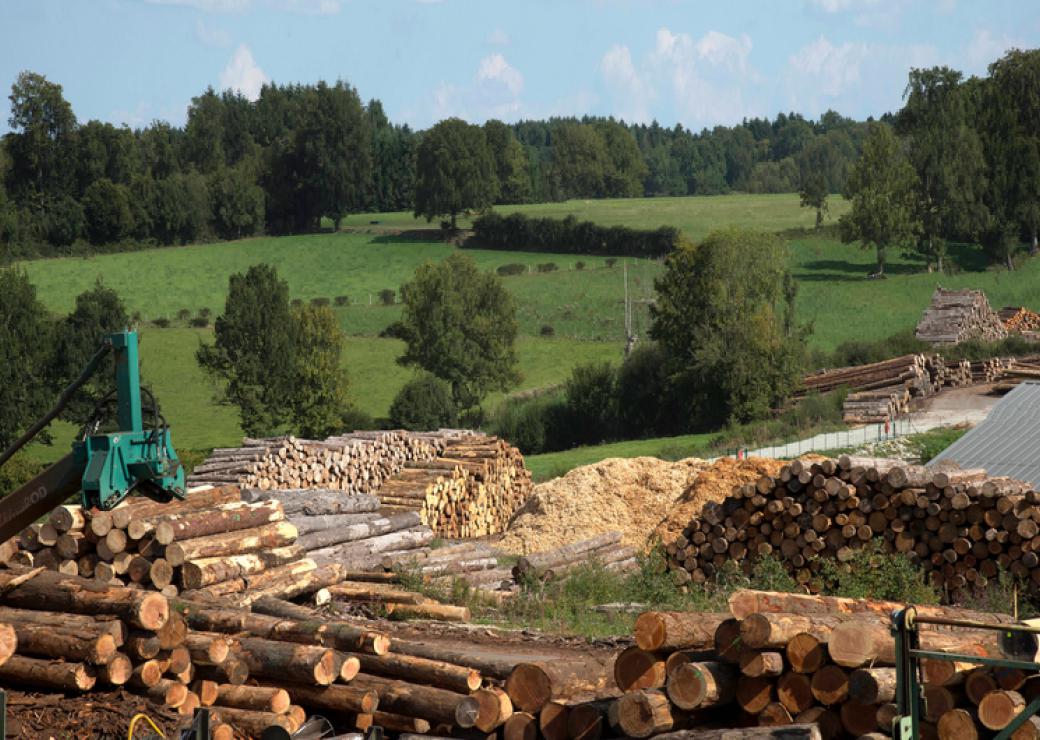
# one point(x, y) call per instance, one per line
point(168, 366)
point(695, 216)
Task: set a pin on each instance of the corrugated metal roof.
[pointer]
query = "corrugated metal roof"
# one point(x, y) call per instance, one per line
point(1008, 441)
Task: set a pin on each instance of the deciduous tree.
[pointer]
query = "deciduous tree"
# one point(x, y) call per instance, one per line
point(319, 388)
point(454, 171)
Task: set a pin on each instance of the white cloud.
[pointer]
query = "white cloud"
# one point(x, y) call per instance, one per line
point(986, 48)
point(632, 94)
point(829, 69)
point(498, 37)
point(307, 7)
point(243, 74)
point(211, 36)
point(496, 68)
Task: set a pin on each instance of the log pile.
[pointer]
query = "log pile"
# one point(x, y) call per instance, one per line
point(1020, 320)
point(779, 660)
point(961, 526)
point(959, 315)
point(356, 463)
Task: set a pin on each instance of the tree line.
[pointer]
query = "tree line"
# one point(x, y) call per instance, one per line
point(303, 154)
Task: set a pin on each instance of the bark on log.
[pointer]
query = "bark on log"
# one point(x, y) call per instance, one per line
point(788, 732)
point(207, 571)
point(635, 669)
point(677, 630)
point(225, 518)
point(531, 685)
point(268, 536)
point(873, 685)
point(254, 698)
point(444, 612)
point(703, 684)
point(439, 674)
point(413, 700)
point(646, 712)
point(18, 670)
point(250, 723)
point(45, 641)
point(319, 539)
point(283, 660)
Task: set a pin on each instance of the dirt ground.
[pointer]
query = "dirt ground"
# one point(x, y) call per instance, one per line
point(96, 716)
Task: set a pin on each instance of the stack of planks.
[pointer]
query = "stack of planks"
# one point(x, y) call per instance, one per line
point(357, 463)
point(961, 526)
point(775, 660)
point(959, 315)
point(1020, 320)
point(471, 489)
point(875, 407)
point(989, 371)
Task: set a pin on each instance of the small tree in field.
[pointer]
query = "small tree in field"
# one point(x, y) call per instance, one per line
point(454, 171)
point(814, 195)
point(460, 324)
point(881, 187)
point(319, 392)
point(25, 347)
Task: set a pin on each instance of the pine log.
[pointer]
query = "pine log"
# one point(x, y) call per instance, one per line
point(233, 670)
point(639, 669)
point(520, 726)
point(531, 685)
point(51, 674)
point(727, 640)
point(285, 609)
point(775, 714)
point(957, 724)
point(315, 502)
point(873, 685)
point(830, 685)
point(858, 718)
point(495, 708)
point(794, 691)
point(704, 684)
point(79, 622)
point(46, 641)
point(196, 574)
point(754, 694)
point(998, 708)
point(250, 723)
point(225, 518)
point(207, 692)
point(439, 674)
point(268, 536)
point(552, 720)
point(255, 698)
point(117, 671)
point(413, 700)
point(208, 648)
point(329, 537)
point(646, 712)
point(756, 663)
point(806, 653)
point(587, 721)
point(443, 612)
point(676, 630)
point(284, 660)
point(55, 592)
point(392, 722)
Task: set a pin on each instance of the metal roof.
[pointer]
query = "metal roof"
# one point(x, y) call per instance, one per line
point(1007, 442)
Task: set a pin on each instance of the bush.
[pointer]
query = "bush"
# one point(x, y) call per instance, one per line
point(513, 268)
point(354, 419)
point(579, 265)
point(342, 300)
point(548, 267)
point(519, 232)
point(643, 393)
point(183, 315)
point(199, 322)
point(387, 297)
point(320, 301)
point(17, 471)
point(534, 425)
point(547, 330)
point(296, 302)
point(205, 312)
point(873, 573)
point(611, 261)
point(162, 322)
point(424, 403)
point(591, 399)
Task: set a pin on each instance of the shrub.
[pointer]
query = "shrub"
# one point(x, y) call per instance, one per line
point(354, 419)
point(873, 573)
point(579, 265)
point(591, 400)
point(296, 302)
point(513, 268)
point(136, 317)
point(547, 330)
point(200, 322)
point(342, 300)
point(17, 471)
point(162, 322)
point(205, 312)
point(643, 391)
point(387, 297)
point(183, 315)
point(320, 301)
point(424, 403)
point(519, 232)
point(534, 425)
point(547, 267)
point(611, 261)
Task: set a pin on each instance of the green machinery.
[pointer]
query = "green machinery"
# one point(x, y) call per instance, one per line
point(105, 465)
point(1017, 640)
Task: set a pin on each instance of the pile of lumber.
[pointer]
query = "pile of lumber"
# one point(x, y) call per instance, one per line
point(989, 371)
point(471, 488)
point(357, 463)
point(782, 660)
point(1020, 320)
point(959, 315)
point(961, 526)
point(875, 407)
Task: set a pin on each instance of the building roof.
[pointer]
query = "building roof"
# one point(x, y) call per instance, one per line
point(1007, 442)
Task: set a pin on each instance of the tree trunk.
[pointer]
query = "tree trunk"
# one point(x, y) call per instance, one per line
point(646, 712)
point(639, 669)
point(50, 674)
point(460, 679)
point(278, 534)
point(552, 720)
point(677, 630)
point(338, 535)
point(207, 571)
point(255, 698)
point(274, 659)
point(46, 641)
point(531, 685)
point(520, 726)
point(248, 723)
point(702, 685)
point(413, 700)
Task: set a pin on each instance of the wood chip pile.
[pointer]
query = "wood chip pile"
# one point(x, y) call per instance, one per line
point(960, 525)
point(779, 660)
point(957, 316)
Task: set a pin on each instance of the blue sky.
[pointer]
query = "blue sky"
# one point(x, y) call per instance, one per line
point(688, 61)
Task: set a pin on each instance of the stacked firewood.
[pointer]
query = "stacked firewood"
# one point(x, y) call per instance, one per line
point(961, 526)
point(471, 489)
point(957, 316)
point(1020, 320)
point(777, 660)
point(357, 463)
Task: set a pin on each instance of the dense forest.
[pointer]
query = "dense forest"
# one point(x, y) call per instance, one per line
point(301, 154)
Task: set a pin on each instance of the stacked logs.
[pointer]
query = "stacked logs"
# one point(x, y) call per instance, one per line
point(471, 489)
point(357, 463)
point(961, 526)
point(875, 407)
point(776, 660)
point(959, 315)
point(1020, 320)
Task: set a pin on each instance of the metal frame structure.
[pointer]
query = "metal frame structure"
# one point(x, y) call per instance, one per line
point(909, 687)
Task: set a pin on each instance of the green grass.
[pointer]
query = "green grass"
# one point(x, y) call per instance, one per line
point(696, 216)
point(187, 394)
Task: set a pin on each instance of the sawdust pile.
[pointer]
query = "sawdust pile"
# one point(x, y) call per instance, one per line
point(644, 498)
point(626, 494)
point(713, 484)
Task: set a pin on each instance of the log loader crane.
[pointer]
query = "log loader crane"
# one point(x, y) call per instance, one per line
point(105, 466)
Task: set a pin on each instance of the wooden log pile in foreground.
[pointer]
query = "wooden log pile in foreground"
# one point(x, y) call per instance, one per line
point(779, 660)
point(957, 316)
point(961, 526)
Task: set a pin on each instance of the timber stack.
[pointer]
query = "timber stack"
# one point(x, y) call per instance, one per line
point(355, 463)
point(1020, 320)
point(957, 316)
point(471, 488)
point(961, 526)
point(778, 660)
